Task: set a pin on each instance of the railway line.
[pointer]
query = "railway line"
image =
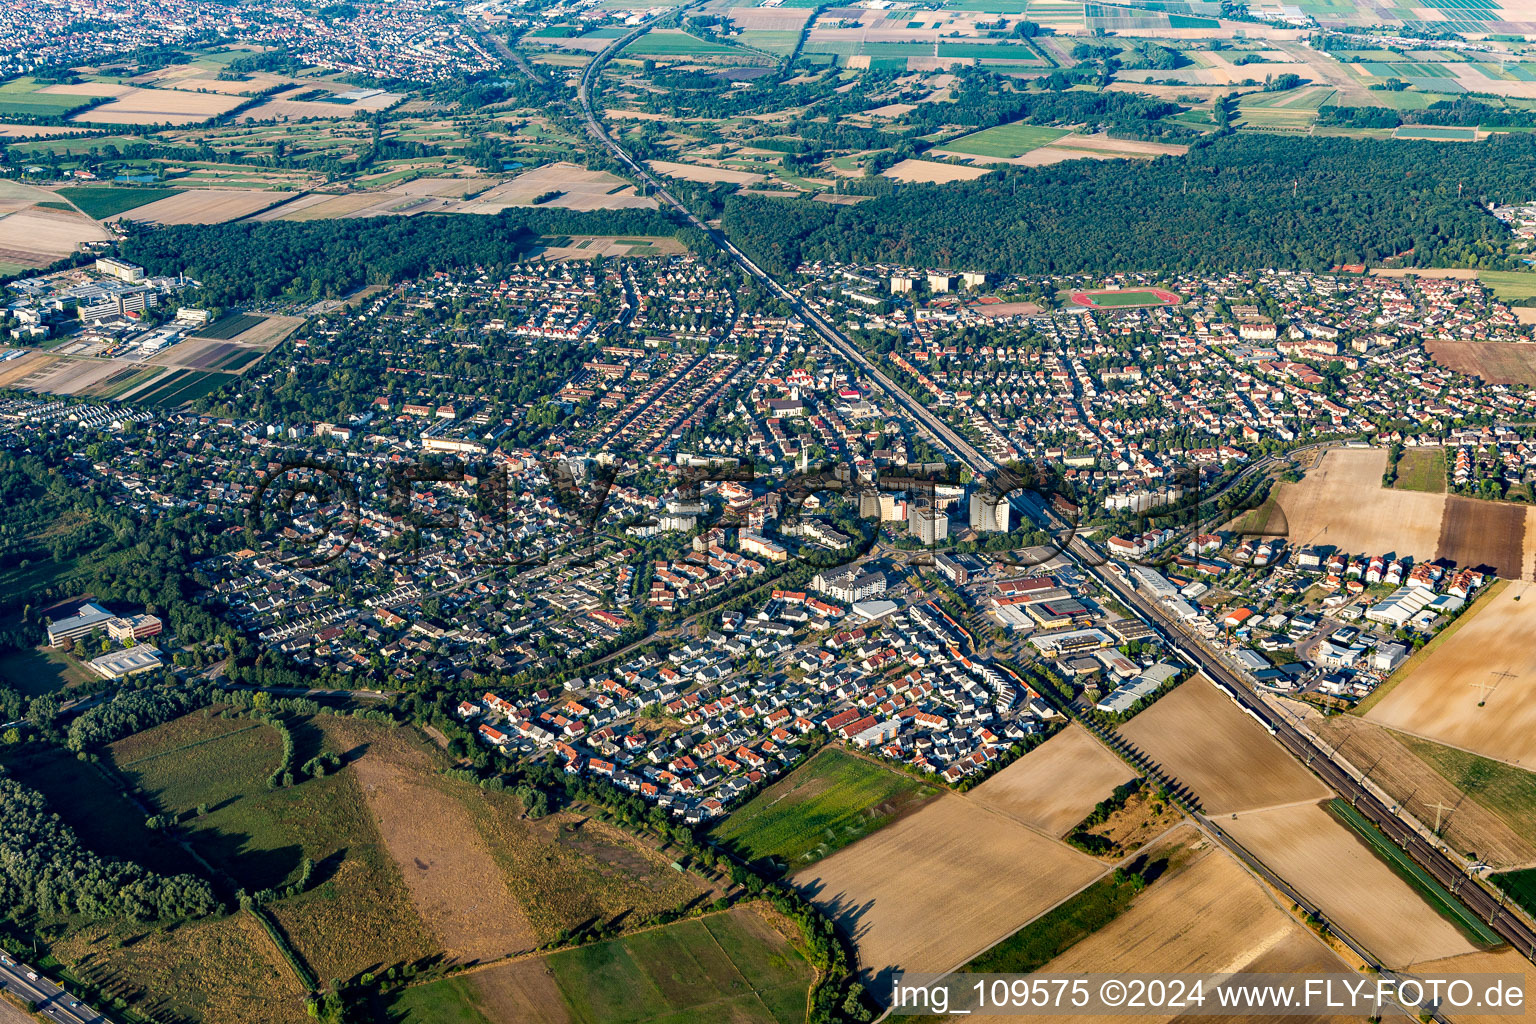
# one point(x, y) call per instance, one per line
point(1441, 866)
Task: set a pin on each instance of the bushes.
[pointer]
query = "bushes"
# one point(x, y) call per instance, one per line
point(130, 713)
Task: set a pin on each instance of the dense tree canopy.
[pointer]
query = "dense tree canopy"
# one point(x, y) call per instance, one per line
point(1237, 203)
point(244, 262)
point(44, 868)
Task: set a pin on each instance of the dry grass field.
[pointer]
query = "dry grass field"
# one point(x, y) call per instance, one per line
point(1357, 890)
point(219, 970)
point(895, 893)
point(1342, 504)
point(321, 206)
point(1418, 787)
point(1054, 786)
point(1477, 690)
point(152, 106)
point(707, 175)
point(1203, 739)
point(932, 172)
point(454, 882)
point(1505, 363)
point(207, 206)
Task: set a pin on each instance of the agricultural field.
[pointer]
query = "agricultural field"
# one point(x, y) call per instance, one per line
point(893, 892)
point(1421, 469)
point(1510, 285)
point(26, 97)
point(1206, 742)
point(1007, 141)
point(1054, 786)
point(703, 173)
point(931, 172)
point(733, 966)
point(580, 189)
point(229, 326)
point(1481, 806)
point(37, 227)
point(1205, 914)
point(1341, 504)
point(1493, 362)
point(834, 799)
point(150, 106)
point(179, 387)
point(208, 206)
point(676, 43)
point(1335, 868)
point(103, 202)
point(1475, 689)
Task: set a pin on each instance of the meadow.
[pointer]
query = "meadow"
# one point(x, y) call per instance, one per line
point(1421, 469)
point(824, 805)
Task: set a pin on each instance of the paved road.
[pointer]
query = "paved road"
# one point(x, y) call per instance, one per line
point(53, 1003)
point(1437, 863)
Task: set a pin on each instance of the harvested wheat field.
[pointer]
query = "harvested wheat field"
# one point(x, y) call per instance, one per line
point(455, 883)
point(37, 237)
point(579, 188)
point(1341, 504)
point(1477, 689)
point(1054, 786)
point(1503, 961)
point(323, 206)
point(707, 175)
point(207, 206)
point(1206, 742)
point(155, 106)
point(1494, 361)
point(894, 894)
point(932, 172)
point(1417, 787)
point(1354, 888)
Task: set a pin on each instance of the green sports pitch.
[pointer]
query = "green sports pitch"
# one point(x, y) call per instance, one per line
point(1113, 298)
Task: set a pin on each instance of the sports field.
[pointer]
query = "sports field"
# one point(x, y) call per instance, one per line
point(1114, 298)
point(1006, 140)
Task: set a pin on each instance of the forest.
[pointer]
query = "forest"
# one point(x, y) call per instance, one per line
point(44, 868)
point(1236, 203)
point(253, 261)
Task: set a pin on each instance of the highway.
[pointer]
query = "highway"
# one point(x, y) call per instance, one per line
point(52, 1002)
point(1444, 869)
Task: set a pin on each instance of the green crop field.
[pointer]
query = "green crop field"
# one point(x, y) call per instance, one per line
point(1510, 285)
point(1432, 891)
point(667, 44)
point(1436, 134)
point(228, 326)
point(21, 96)
point(182, 386)
point(1421, 469)
point(103, 201)
point(722, 967)
point(822, 806)
point(1007, 140)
